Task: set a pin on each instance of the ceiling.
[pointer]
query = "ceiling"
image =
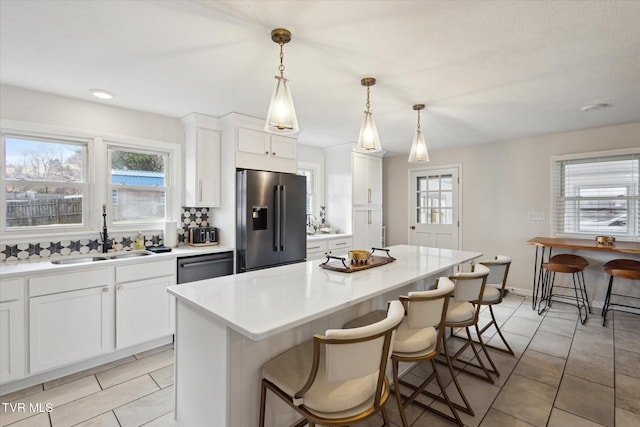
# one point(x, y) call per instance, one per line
point(488, 71)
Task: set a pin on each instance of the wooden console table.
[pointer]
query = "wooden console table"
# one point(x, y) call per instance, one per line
point(581, 244)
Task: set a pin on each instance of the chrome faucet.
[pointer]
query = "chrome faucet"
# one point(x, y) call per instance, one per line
point(311, 220)
point(106, 242)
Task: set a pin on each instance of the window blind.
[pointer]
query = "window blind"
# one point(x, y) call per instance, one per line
point(597, 196)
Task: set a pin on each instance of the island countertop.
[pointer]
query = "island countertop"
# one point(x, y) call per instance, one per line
point(262, 303)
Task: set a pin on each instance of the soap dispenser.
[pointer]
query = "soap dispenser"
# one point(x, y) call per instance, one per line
point(140, 241)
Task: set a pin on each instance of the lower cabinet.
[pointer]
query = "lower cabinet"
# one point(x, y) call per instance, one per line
point(320, 248)
point(69, 326)
point(12, 333)
point(144, 311)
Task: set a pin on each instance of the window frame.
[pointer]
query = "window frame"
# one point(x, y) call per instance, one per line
point(633, 200)
point(84, 185)
point(96, 181)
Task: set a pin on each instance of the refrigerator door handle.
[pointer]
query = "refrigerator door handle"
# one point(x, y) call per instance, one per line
point(283, 216)
point(277, 221)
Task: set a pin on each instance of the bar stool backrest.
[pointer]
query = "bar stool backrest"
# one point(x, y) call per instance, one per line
point(469, 287)
point(358, 352)
point(425, 308)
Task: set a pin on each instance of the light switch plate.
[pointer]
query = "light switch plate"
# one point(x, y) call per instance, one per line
point(535, 216)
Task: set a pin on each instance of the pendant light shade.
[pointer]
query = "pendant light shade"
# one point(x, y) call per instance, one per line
point(369, 139)
point(281, 117)
point(419, 151)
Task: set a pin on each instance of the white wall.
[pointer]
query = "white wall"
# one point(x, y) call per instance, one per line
point(52, 110)
point(500, 183)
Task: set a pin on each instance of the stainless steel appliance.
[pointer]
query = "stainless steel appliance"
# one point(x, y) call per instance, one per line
point(270, 218)
point(200, 267)
point(199, 236)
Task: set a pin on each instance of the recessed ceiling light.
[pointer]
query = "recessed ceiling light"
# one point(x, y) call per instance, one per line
point(102, 94)
point(592, 107)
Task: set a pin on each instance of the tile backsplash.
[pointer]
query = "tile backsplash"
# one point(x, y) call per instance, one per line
point(190, 217)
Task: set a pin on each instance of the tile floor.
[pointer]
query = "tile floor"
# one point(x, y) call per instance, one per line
point(564, 374)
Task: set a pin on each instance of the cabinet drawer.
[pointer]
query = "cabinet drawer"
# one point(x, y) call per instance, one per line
point(68, 282)
point(340, 243)
point(11, 290)
point(147, 270)
point(316, 246)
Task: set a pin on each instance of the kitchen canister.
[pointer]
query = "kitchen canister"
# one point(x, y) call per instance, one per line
point(171, 234)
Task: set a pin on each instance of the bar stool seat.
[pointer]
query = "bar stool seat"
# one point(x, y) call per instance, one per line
point(623, 269)
point(567, 264)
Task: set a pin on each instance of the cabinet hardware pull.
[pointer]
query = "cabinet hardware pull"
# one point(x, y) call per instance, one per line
point(368, 217)
point(120, 287)
point(314, 247)
point(200, 190)
point(368, 195)
point(273, 154)
point(105, 289)
point(341, 243)
point(266, 152)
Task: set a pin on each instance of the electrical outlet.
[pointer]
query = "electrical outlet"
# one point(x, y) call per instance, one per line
point(535, 216)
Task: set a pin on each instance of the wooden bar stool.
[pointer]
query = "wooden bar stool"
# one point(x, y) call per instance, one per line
point(623, 269)
point(568, 264)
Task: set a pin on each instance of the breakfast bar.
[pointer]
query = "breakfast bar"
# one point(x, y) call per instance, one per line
point(227, 327)
point(542, 243)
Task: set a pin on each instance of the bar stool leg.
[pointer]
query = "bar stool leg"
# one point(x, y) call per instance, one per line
point(605, 307)
point(584, 292)
point(579, 298)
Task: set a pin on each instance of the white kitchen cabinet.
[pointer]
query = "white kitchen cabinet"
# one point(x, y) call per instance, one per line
point(319, 248)
point(144, 309)
point(367, 179)
point(367, 227)
point(12, 332)
point(202, 167)
point(264, 151)
point(70, 318)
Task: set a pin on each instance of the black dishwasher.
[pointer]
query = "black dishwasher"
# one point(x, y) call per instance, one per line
point(200, 267)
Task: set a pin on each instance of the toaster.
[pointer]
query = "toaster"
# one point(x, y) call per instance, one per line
point(203, 236)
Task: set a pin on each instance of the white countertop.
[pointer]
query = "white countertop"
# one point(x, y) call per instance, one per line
point(261, 303)
point(322, 236)
point(21, 268)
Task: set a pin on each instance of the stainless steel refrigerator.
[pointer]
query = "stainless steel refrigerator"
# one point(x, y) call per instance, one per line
point(270, 218)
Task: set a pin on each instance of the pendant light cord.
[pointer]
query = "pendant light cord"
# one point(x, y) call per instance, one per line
point(281, 67)
point(368, 92)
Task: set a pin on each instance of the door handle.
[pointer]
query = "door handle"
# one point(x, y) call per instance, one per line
point(413, 227)
point(283, 216)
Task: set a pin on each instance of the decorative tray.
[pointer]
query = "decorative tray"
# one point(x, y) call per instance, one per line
point(345, 265)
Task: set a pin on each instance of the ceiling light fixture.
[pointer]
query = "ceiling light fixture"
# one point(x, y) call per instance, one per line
point(281, 117)
point(368, 139)
point(419, 151)
point(102, 94)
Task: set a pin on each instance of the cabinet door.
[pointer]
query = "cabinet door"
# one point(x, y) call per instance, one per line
point(208, 165)
point(367, 179)
point(69, 326)
point(12, 333)
point(253, 142)
point(283, 147)
point(367, 228)
point(144, 311)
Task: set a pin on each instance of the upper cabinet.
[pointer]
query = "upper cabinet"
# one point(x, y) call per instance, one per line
point(367, 179)
point(202, 161)
point(261, 150)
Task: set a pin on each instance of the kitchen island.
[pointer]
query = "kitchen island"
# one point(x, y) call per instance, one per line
point(227, 327)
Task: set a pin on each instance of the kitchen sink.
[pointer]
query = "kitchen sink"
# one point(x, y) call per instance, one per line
point(130, 255)
point(82, 260)
point(87, 259)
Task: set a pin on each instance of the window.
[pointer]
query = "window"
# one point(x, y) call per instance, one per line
point(434, 199)
point(44, 183)
point(138, 185)
point(309, 173)
point(597, 195)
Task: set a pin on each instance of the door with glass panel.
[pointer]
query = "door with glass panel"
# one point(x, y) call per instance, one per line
point(434, 207)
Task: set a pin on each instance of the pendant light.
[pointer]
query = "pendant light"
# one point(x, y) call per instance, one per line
point(418, 152)
point(281, 117)
point(368, 139)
